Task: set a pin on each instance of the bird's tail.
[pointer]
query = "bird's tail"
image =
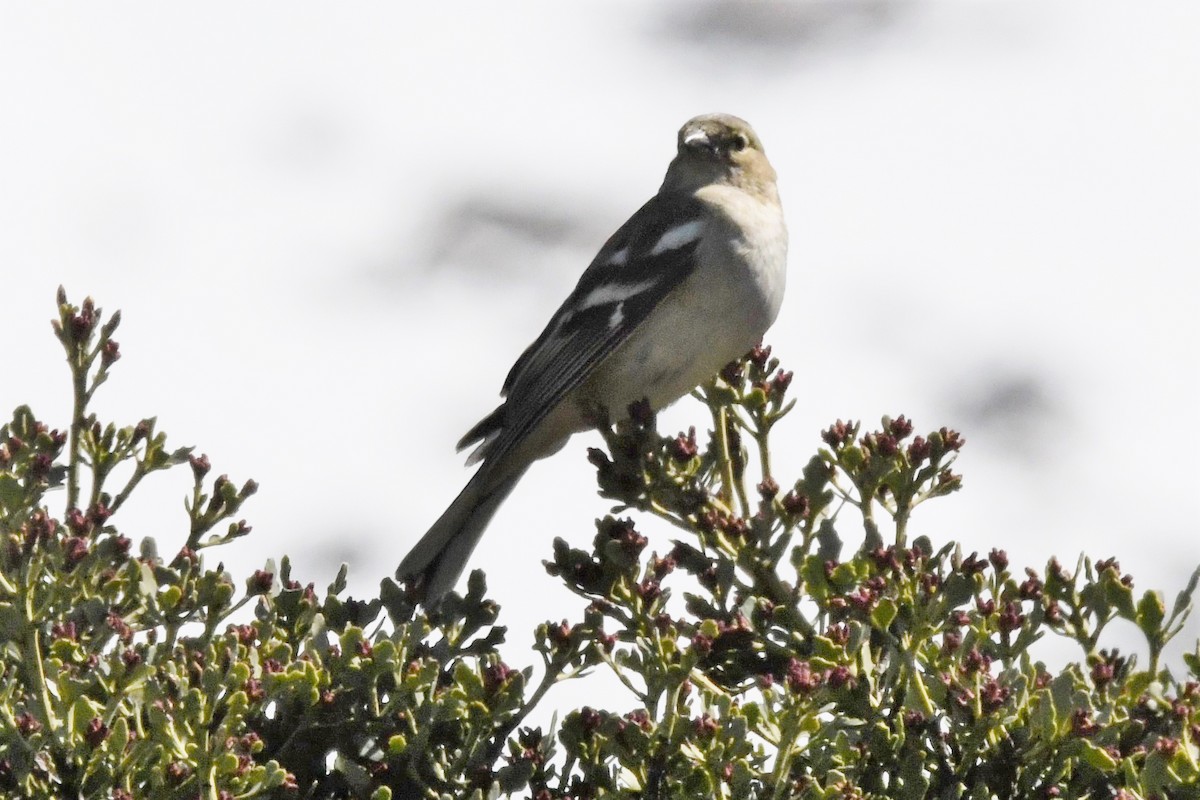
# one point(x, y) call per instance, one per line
point(442, 553)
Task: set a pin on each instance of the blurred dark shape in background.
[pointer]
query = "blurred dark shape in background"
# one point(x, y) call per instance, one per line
point(1014, 407)
point(776, 27)
point(507, 237)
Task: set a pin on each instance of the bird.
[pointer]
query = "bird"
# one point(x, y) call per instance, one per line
point(688, 284)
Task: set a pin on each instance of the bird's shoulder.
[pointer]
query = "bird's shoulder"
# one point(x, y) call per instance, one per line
point(628, 249)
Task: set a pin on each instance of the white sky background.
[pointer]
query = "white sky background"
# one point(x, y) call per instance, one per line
point(331, 231)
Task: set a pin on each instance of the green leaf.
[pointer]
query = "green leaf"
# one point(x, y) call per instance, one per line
point(1150, 613)
point(1193, 662)
point(829, 544)
point(12, 493)
point(914, 778)
point(1096, 757)
point(844, 575)
point(339, 583)
point(1117, 594)
point(1063, 689)
point(12, 623)
point(959, 589)
point(226, 763)
point(883, 613)
point(1183, 602)
point(146, 582)
point(24, 422)
point(170, 597)
point(1044, 720)
point(119, 734)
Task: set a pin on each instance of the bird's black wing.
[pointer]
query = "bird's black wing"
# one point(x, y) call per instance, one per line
point(642, 263)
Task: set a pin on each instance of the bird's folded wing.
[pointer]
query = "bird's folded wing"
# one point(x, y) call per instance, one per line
point(639, 266)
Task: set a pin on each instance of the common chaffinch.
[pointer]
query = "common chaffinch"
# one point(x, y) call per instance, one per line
point(689, 283)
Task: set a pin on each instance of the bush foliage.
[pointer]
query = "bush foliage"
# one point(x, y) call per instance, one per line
point(762, 657)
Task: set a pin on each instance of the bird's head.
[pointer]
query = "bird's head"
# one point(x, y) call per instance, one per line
point(719, 148)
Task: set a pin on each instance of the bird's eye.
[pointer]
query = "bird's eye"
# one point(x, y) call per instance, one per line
point(739, 143)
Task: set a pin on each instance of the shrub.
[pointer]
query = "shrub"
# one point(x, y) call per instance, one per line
point(761, 659)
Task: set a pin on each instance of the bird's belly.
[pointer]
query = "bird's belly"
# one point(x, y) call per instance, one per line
point(671, 354)
point(715, 316)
